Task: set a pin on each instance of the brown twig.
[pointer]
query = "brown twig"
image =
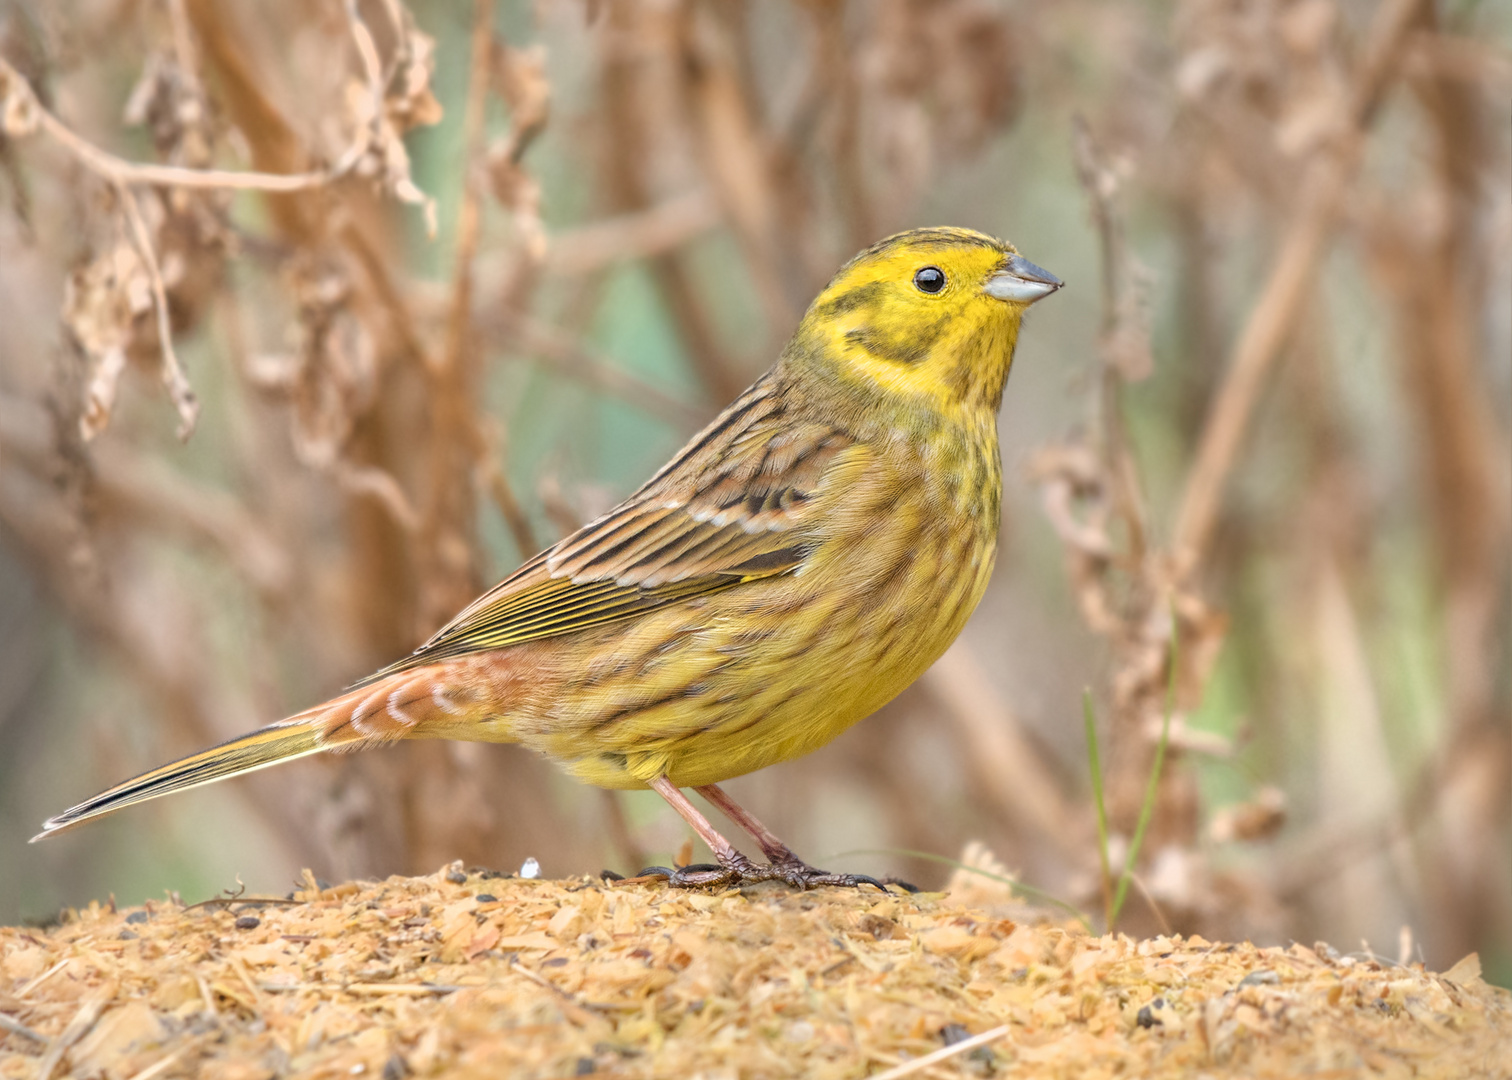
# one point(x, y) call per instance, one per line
point(622, 838)
point(119, 171)
point(572, 358)
point(1461, 59)
point(733, 140)
point(633, 129)
point(1275, 312)
point(1123, 337)
point(174, 378)
point(1121, 584)
point(188, 704)
point(21, 99)
point(157, 498)
point(452, 410)
point(842, 97)
point(501, 491)
point(381, 485)
point(638, 234)
point(1009, 768)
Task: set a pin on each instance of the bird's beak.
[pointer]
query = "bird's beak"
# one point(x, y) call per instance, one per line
point(1021, 281)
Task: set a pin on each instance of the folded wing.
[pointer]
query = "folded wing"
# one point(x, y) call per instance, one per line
point(732, 507)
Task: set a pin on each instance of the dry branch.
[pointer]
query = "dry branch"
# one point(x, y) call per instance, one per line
point(1275, 314)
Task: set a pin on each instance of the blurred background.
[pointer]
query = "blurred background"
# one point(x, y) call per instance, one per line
point(464, 275)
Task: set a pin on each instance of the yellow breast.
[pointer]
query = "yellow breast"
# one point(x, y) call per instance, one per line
point(729, 683)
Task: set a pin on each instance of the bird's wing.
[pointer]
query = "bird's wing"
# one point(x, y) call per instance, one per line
point(733, 506)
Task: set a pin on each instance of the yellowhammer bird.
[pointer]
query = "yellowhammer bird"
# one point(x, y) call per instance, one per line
point(802, 560)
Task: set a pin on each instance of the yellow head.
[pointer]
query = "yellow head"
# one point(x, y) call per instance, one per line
point(924, 318)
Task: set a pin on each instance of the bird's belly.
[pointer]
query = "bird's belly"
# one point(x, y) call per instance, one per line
point(729, 683)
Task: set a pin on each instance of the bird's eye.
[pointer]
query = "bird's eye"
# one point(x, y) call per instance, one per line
point(931, 279)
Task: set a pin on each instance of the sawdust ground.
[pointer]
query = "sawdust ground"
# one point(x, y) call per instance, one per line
point(471, 975)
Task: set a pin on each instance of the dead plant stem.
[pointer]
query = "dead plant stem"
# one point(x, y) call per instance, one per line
point(174, 378)
point(1276, 312)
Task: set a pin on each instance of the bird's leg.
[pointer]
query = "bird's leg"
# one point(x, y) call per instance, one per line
point(771, 846)
point(733, 867)
point(788, 866)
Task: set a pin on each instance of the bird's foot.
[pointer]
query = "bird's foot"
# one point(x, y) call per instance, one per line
point(739, 870)
point(800, 875)
point(694, 875)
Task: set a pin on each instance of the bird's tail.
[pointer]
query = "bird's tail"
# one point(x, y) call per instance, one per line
point(407, 704)
point(264, 747)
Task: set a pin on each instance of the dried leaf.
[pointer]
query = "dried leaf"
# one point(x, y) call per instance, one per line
point(1259, 819)
point(519, 77)
point(104, 305)
point(19, 113)
point(405, 102)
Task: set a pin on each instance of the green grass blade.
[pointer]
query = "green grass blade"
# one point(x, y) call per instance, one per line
point(1094, 766)
point(1152, 786)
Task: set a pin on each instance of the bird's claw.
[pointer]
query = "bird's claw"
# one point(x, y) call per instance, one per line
point(742, 871)
point(801, 875)
point(692, 876)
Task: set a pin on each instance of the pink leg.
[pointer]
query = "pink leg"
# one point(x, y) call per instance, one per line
point(734, 868)
point(774, 849)
point(783, 863)
point(723, 850)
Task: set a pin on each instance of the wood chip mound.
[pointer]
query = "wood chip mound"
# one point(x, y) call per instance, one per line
point(481, 975)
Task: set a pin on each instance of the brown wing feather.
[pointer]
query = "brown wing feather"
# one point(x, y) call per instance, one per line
point(729, 508)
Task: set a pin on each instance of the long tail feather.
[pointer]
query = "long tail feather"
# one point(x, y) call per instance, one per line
point(264, 747)
point(418, 704)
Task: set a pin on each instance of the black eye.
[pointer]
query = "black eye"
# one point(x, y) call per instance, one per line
point(931, 279)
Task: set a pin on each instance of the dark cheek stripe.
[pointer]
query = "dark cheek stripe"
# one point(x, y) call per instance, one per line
point(909, 345)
